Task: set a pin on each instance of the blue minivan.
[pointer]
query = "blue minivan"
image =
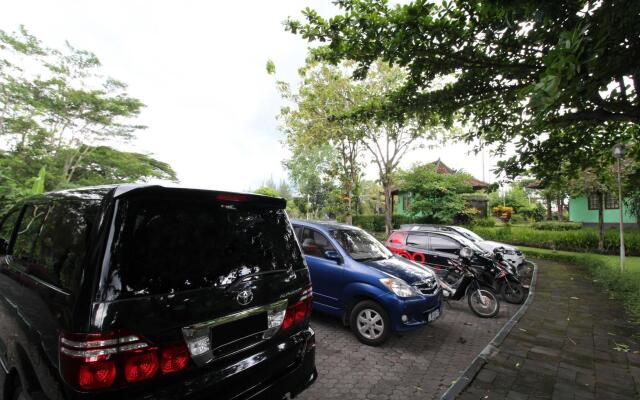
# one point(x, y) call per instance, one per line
point(356, 278)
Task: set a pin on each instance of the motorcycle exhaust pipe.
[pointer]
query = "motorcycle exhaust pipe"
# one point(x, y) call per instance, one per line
point(447, 290)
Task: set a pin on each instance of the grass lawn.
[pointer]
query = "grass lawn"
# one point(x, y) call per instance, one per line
point(580, 240)
point(632, 264)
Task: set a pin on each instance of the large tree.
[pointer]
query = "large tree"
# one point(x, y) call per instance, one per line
point(322, 106)
point(310, 120)
point(559, 79)
point(58, 112)
point(389, 140)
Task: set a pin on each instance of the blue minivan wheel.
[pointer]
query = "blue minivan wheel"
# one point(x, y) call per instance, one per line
point(370, 323)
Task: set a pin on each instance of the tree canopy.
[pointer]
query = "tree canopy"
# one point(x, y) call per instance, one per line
point(434, 196)
point(60, 118)
point(559, 79)
point(317, 120)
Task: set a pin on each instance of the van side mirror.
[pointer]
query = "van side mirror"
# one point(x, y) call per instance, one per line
point(333, 255)
point(4, 246)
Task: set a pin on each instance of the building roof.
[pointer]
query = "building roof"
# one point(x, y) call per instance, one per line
point(537, 184)
point(442, 168)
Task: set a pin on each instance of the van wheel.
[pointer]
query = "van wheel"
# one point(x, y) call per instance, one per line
point(370, 323)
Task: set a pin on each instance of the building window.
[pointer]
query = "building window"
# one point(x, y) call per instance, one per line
point(594, 201)
point(611, 202)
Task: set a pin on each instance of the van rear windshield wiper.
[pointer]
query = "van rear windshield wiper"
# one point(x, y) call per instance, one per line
point(245, 278)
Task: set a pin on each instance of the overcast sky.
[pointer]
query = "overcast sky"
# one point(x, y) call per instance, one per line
point(199, 66)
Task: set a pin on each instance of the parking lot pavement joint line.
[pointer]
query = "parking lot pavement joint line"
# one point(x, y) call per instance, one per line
point(493, 347)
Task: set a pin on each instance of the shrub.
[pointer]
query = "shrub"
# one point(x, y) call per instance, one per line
point(581, 240)
point(624, 286)
point(518, 219)
point(484, 222)
point(502, 212)
point(375, 222)
point(535, 212)
point(557, 226)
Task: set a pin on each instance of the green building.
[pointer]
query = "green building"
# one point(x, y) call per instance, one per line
point(402, 200)
point(585, 209)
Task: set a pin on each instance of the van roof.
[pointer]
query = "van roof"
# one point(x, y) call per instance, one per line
point(121, 190)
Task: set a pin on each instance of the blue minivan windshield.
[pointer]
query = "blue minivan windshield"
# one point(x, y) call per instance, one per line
point(360, 245)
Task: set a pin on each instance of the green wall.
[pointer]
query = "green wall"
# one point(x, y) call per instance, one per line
point(579, 212)
point(398, 205)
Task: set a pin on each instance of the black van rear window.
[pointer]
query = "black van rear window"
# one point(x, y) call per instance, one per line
point(170, 245)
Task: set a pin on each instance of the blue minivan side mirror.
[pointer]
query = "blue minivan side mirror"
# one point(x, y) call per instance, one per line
point(333, 255)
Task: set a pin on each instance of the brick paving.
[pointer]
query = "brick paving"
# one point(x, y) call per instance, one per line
point(416, 365)
point(574, 342)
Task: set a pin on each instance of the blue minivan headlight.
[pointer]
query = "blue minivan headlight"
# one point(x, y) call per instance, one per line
point(399, 287)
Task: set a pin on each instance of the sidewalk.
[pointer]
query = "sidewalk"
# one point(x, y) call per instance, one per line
point(573, 343)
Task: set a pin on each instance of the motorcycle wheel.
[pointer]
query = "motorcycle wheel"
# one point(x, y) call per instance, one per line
point(512, 293)
point(483, 308)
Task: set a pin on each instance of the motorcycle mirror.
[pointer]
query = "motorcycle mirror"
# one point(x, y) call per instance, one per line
point(466, 252)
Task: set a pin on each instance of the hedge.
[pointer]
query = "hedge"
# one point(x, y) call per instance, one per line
point(485, 222)
point(557, 226)
point(622, 286)
point(375, 223)
point(582, 240)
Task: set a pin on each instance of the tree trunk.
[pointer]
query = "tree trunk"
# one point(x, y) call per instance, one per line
point(560, 208)
point(601, 222)
point(348, 218)
point(549, 212)
point(388, 208)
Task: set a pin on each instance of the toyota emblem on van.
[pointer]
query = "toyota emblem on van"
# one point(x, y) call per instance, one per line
point(244, 297)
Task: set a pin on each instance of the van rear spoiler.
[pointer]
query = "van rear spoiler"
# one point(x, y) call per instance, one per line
point(126, 191)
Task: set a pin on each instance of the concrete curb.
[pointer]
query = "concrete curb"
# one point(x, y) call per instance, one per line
point(493, 347)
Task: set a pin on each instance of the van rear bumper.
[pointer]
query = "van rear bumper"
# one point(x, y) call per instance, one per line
point(292, 384)
point(297, 351)
point(284, 367)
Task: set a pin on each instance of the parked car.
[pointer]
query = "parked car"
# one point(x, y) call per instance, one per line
point(511, 254)
point(147, 292)
point(356, 278)
point(434, 248)
point(442, 249)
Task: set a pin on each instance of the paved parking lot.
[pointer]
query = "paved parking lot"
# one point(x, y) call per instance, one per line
point(417, 365)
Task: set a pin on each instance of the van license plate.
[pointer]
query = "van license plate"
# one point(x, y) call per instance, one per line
point(434, 315)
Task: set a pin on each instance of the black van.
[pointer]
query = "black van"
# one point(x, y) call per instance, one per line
point(151, 292)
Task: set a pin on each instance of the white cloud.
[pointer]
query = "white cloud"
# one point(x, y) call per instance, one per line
point(200, 68)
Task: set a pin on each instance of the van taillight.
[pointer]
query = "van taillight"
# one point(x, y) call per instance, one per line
point(174, 358)
point(140, 365)
point(299, 311)
point(232, 197)
point(99, 361)
point(96, 375)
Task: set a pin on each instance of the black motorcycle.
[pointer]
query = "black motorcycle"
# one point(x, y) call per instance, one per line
point(481, 300)
point(507, 282)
